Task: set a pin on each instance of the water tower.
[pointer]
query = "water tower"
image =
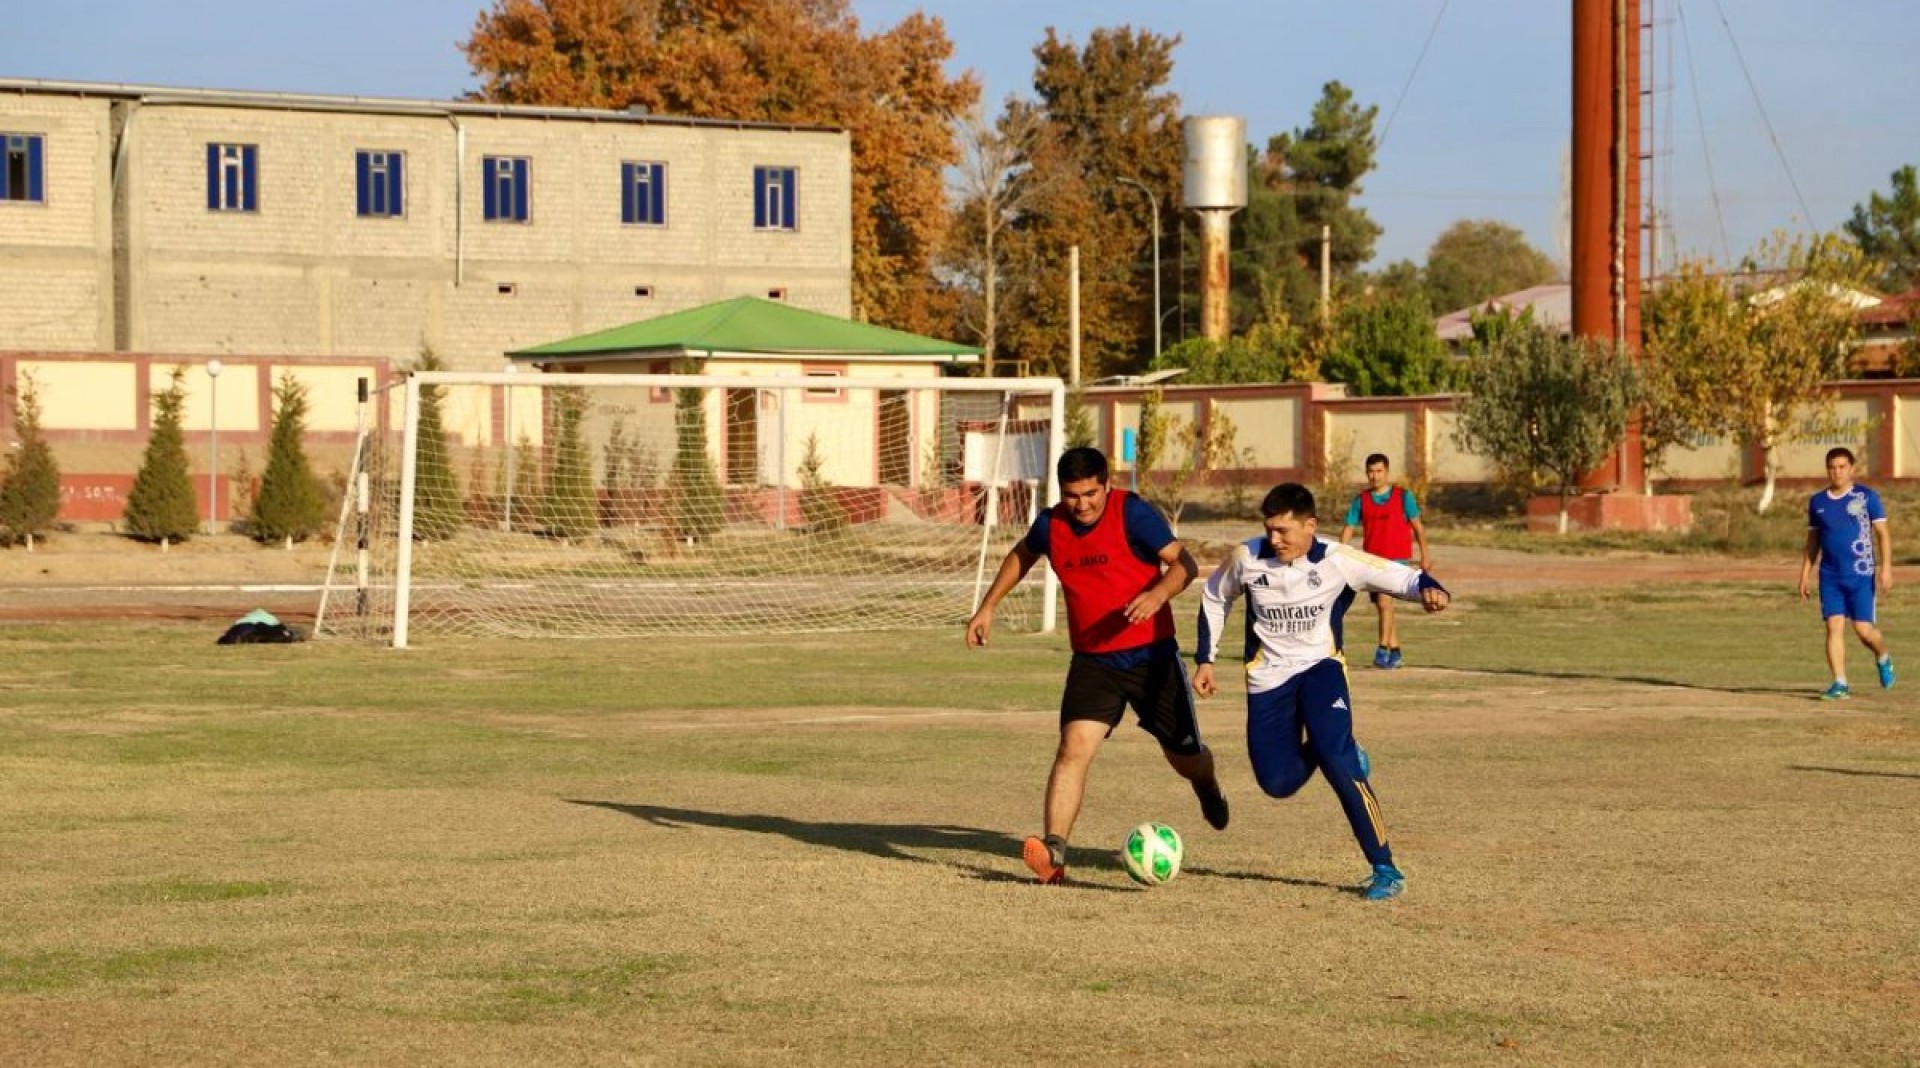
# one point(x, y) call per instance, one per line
point(1214, 184)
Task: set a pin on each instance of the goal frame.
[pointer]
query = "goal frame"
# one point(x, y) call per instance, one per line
point(1053, 389)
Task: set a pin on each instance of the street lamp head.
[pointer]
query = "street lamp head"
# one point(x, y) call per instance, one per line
point(214, 367)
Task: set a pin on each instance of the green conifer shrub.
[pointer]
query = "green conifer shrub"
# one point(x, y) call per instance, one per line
point(698, 504)
point(291, 503)
point(161, 505)
point(438, 509)
point(818, 504)
point(570, 508)
point(30, 491)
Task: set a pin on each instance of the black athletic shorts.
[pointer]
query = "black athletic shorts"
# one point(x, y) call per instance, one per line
point(1158, 690)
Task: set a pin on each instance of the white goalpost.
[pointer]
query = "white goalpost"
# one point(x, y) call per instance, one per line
point(616, 505)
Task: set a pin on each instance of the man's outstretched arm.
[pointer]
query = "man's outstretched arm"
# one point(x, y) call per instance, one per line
point(1018, 562)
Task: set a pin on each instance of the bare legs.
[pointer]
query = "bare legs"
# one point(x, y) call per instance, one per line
point(1067, 783)
point(1389, 631)
point(1868, 634)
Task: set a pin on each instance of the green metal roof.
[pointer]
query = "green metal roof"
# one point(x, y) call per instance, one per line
point(755, 326)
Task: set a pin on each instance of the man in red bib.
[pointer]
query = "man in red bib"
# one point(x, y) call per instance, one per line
point(1389, 521)
point(1120, 565)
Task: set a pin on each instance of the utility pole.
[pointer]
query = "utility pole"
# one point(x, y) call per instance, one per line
point(1326, 273)
point(1154, 201)
point(1073, 316)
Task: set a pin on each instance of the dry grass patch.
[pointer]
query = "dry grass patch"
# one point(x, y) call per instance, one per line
point(1630, 836)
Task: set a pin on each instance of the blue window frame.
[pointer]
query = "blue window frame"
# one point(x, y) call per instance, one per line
point(776, 202)
point(643, 193)
point(23, 167)
point(233, 177)
point(379, 184)
point(504, 188)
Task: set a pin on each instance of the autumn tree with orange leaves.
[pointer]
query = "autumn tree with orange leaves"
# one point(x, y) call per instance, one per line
point(1101, 126)
point(804, 62)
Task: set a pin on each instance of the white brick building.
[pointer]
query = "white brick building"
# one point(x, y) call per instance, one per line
point(145, 229)
point(167, 221)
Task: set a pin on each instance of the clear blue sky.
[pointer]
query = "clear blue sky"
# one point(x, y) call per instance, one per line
point(1480, 134)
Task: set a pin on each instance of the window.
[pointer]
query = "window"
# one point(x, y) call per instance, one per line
point(379, 184)
point(775, 203)
point(233, 177)
point(24, 175)
point(504, 188)
point(822, 392)
point(643, 292)
point(777, 294)
point(643, 194)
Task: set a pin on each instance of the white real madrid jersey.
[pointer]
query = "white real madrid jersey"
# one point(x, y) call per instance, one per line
point(1295, 611)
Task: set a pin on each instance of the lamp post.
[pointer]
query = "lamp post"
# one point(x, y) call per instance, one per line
point(214, 367)
point(1155, 202)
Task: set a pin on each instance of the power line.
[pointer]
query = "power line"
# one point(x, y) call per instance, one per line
point(1706, 148)
point(1418, 60)
point(1805, 213)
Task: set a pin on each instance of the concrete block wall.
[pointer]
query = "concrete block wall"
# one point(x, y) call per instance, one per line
point(56, 256)
point(138, 263)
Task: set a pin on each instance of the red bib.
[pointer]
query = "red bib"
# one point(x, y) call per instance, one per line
point(1384, 528)
point(1100, 574)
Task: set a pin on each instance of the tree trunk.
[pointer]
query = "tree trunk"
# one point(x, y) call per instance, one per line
point(1770, 464)
point(987, 335)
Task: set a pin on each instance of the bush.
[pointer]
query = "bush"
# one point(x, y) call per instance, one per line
point(30, 493)
point(570, 508)
point(818, 505)
point(697, 501)
point(292, 503)
point(438, 511)
point(161, 505)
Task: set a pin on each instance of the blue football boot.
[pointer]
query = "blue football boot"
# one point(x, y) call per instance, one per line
point(1387, 882)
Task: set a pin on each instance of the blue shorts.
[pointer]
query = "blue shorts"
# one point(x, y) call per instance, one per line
point(1850, 596)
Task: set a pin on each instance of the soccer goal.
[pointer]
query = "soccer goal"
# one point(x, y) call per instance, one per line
point(545, 505)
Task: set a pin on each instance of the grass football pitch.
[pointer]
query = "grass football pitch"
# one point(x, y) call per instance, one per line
point(1631, 836)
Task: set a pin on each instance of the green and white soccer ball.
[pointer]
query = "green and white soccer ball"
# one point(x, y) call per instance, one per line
point(1152, 854)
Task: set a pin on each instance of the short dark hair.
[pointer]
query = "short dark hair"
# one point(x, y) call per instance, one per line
point(1080, 464)
point(1288, 498)
point(1840, 450)
point(1377, 458)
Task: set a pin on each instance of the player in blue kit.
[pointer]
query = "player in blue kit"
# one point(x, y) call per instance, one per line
point(1847, 539)
point(1299, 710)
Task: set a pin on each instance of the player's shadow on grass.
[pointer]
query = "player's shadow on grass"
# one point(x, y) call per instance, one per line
point(1263, 877)
point(890, 841)
point(1640, 680)
point(1855, 771)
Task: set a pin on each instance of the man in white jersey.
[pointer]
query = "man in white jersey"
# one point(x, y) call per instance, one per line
point(1299, 710)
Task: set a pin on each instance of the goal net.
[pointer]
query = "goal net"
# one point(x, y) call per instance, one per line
point(610, 505)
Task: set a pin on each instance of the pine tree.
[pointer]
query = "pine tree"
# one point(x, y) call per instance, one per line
point(30, 494)
point(161, 505)
point(291, 503)
point(438, 510)
point(569, 508)
point(818, 505)
point(697, 501)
